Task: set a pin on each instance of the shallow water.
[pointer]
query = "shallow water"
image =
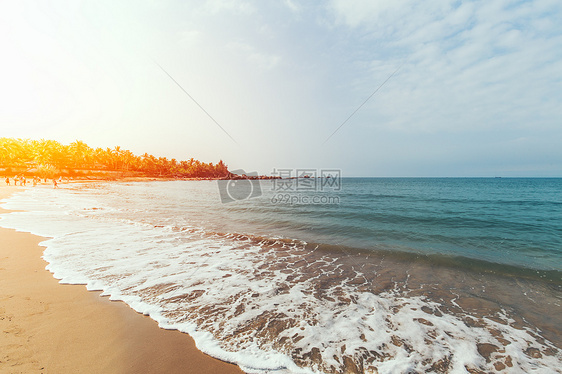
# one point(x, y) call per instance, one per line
point(402, 275)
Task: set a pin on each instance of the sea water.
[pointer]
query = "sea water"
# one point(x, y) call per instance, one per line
point(379, 275)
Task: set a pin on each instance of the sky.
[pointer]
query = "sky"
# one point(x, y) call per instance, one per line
point(459, 88)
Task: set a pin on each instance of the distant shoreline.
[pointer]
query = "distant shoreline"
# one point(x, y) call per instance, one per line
point(127, 178)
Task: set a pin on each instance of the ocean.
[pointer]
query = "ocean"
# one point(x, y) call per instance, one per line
point(366, 275)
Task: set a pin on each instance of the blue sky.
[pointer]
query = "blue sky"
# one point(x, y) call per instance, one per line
point(478, 90)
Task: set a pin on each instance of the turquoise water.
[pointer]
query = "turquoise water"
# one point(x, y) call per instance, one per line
point(516, 222)
point(385, 275)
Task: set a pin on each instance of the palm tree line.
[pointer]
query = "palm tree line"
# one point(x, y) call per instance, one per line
point(47, 158)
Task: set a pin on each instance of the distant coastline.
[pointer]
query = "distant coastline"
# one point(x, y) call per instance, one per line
point(49, 159)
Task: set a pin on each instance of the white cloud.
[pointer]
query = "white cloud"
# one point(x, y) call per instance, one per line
point(258, 59)
point(288, 73)
point(356, 13)
point(292, 6)
point(236, 6)
point(471, 66)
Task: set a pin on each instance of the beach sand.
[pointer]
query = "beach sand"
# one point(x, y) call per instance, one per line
point(47, 327)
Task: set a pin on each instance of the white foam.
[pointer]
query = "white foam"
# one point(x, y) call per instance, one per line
point(214, 287)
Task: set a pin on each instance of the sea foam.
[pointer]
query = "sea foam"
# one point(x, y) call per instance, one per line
point(272, 305)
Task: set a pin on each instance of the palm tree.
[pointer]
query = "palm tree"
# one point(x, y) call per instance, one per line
point(9, 152)
point(221, 170)
point(51, 156)
point(148, 163)
point(81, 154)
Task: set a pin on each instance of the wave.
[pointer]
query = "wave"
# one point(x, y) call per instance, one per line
point(272, 304)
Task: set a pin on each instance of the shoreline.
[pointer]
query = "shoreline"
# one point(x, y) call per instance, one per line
point(504, 321)
point(52, 328)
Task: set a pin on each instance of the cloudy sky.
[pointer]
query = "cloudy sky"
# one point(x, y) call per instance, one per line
point(473, 88)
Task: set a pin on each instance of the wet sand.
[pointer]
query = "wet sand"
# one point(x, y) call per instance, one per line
point(46, 327)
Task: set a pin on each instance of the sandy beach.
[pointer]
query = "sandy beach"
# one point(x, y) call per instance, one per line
point(51, 328)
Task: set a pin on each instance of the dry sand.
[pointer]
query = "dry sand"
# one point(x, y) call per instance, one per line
point(46, 327)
